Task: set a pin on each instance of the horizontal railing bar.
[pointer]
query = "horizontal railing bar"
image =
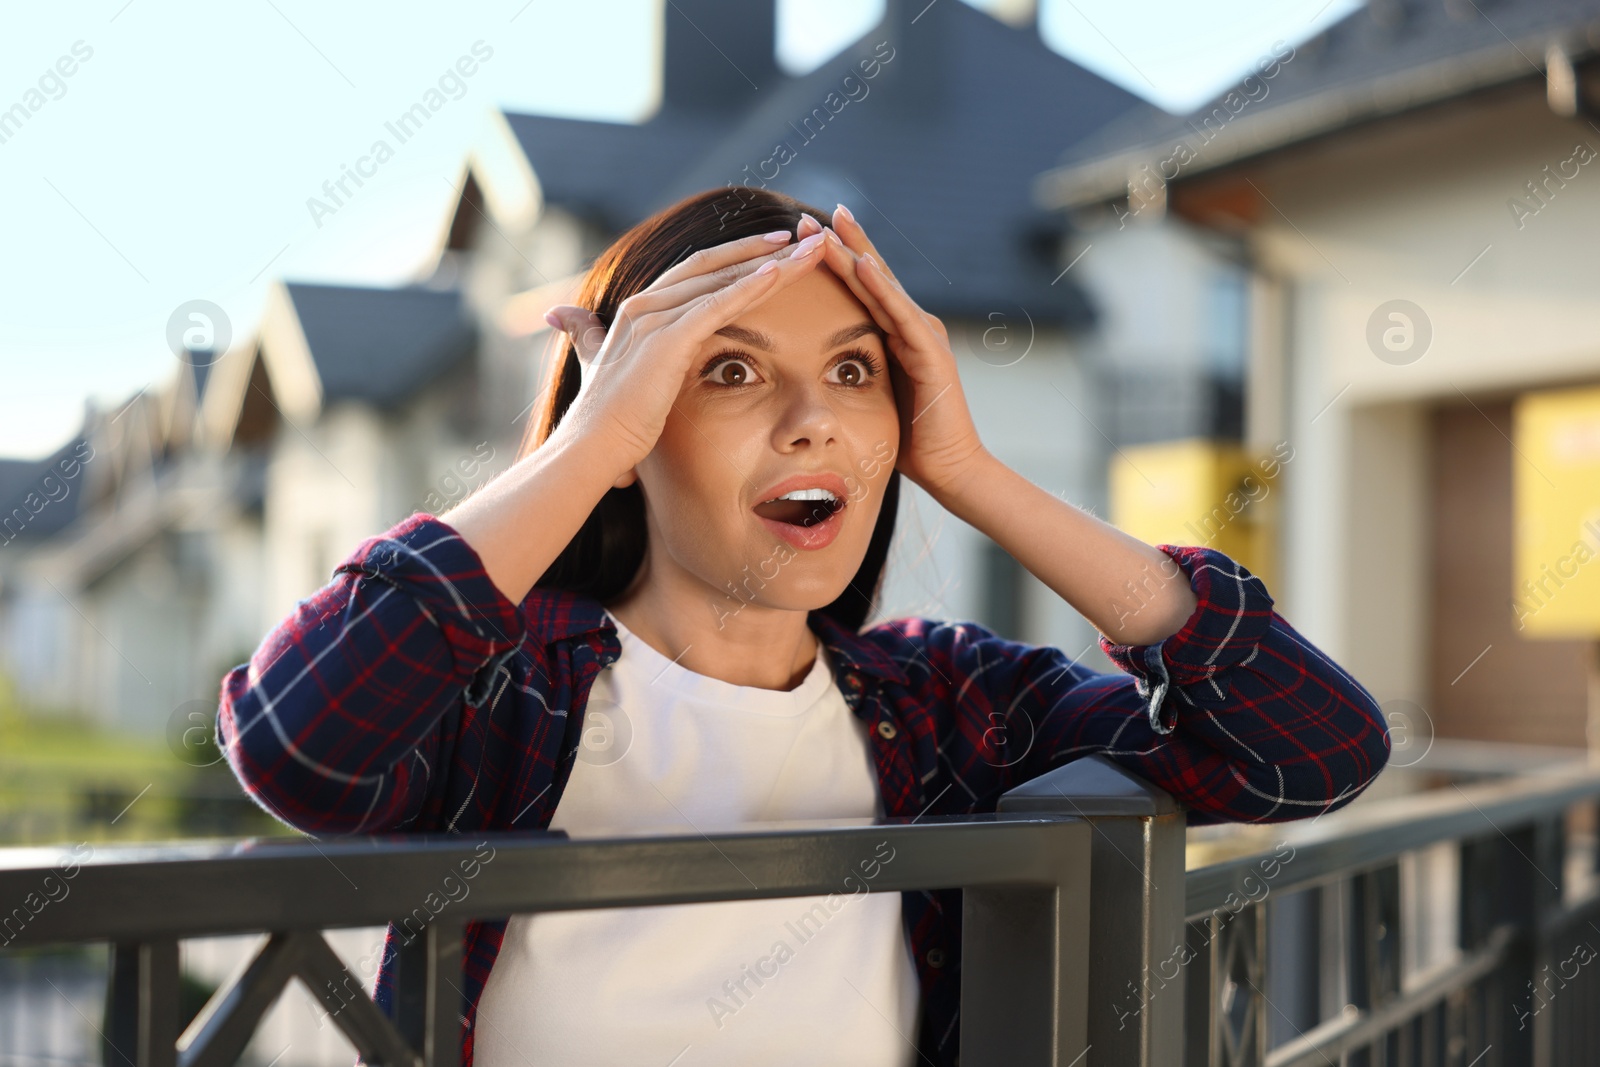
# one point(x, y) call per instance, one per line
point(202, 890)
point(1333, 1038)
point(1349, 842)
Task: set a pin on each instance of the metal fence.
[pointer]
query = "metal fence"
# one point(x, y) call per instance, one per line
point(1447, 927)
point(1309, 944)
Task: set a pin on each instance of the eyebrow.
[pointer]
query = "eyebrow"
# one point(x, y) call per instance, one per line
point(757, 339)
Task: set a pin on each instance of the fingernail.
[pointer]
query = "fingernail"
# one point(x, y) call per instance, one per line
point(808, 246)
point(843, 212)
point(550, 317)
point(807, 215)
point(866, 258)
point(766, 268)
point(778, 237)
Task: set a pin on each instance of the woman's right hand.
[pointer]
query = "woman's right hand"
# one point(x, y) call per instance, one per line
point(633, 372)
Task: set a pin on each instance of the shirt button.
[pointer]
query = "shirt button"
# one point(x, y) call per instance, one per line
point(886, 730)
point(935, 958)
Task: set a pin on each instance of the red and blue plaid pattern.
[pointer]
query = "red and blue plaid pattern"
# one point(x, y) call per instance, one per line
point(409, 694)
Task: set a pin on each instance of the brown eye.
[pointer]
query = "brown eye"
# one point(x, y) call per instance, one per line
point(740, 371)
point(856, 370)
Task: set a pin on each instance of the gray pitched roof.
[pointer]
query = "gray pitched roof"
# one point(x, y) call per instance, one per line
point(1387, 58)
point(611, 173)
point(936, 159)
point(20, 477)
point(381, 345)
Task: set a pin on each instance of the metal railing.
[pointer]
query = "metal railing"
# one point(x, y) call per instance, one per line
point(1516, 891)
point(1025, 931)
point(1085, 940)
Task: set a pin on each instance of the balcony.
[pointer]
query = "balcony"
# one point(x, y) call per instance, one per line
point(1444, 927)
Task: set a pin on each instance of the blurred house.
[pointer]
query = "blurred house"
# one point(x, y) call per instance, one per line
point(107, 585)
point(1413, 198)
point(172, 532)
point(363, 404)
point(224, 496)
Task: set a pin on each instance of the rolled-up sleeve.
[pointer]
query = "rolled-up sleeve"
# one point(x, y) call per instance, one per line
point(1237, 715)
point(1192, 667)
point(334, 725)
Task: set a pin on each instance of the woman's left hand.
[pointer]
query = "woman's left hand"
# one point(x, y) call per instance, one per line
point(938, 441)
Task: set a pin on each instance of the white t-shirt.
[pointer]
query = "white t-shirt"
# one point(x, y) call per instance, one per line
point(775, 982)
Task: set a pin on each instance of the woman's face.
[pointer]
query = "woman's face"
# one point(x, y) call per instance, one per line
point(795, 392)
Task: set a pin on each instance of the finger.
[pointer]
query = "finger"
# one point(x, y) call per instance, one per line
point(718, 256)
point(842, 262)
point(876, 264)
point(807, 226)
point(935, 325)
point(856, 238)
point(705, 315)
point(909, 320)
point(581, 325)
point(680, 293)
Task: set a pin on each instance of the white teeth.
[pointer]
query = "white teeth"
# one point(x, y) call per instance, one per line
point(809, 494)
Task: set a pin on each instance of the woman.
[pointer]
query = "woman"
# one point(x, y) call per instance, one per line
point(654, 620)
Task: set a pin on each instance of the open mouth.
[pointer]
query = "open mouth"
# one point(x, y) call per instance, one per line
point(804, 507)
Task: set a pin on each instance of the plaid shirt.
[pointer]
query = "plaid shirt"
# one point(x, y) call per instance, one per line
point(419, 698)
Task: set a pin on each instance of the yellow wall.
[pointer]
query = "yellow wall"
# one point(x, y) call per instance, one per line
point(1200, 492)
point(1556, 492)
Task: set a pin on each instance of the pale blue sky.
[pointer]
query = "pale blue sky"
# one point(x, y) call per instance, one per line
point(175, 163)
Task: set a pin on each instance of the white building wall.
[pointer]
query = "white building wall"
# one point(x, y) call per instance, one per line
point(146, 620)
point(324, 496)
point(238, 585)
point(36, 631)
point(1415, 210)
point(1153, 282)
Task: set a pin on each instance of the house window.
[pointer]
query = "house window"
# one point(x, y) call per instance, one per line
point(1227, 306)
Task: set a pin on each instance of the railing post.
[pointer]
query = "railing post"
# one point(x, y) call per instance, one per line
point(1024, 982)
point(1200, 1028)
point(1552, 945)
point(143, 1009)
point(1372, 947)
point(428, 993)
point(1137, 942)
point(1513, 877)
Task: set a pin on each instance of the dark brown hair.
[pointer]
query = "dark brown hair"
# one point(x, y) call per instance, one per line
point(604, 556)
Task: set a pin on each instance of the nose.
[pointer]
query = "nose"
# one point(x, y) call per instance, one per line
point(805, 417)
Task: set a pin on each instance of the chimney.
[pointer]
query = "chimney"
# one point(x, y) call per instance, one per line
point(719, 55)
point(913, 82)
